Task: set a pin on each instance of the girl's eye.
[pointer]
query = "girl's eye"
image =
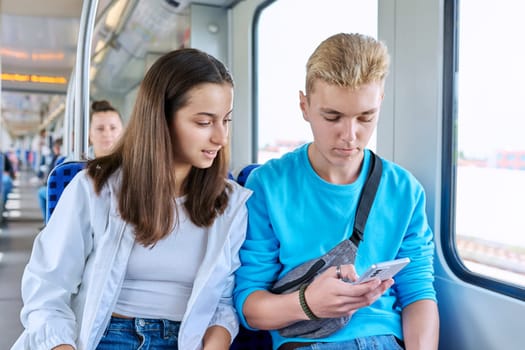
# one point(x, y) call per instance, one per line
point(227, 120)
point(203, 123)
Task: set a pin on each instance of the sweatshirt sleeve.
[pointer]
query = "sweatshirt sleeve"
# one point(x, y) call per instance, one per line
point(415, 282)
point(55, 270)
point(259, 254)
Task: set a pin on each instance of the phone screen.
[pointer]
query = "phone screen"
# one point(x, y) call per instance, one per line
point(383, 270)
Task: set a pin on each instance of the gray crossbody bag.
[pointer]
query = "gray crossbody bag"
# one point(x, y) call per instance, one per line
point(343, 253)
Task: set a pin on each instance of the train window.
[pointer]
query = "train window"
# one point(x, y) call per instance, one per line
point(489, 150)
point(287, 32)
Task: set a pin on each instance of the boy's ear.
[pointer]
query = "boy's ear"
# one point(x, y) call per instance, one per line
point(303, 104)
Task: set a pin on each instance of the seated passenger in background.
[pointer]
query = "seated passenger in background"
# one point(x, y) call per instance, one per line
point(105, 128)
point(42, 190)
point(8, 175)
point(143, 244)
point(304, 204)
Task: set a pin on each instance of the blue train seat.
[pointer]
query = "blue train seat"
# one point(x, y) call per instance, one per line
point(244, 172)
point(58, 179)
point(252, 340)
point(1, 185)
point(60, 160)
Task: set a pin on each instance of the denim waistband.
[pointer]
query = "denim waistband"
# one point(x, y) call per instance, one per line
point(165, 327)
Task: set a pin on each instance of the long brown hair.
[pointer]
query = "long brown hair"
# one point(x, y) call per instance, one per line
point(146, 156)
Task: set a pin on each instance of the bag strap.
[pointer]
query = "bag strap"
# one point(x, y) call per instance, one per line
point(367, 198)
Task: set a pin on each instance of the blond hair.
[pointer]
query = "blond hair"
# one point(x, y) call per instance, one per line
point(348, 60)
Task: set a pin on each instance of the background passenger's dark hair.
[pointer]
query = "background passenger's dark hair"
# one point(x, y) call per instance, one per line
point(58, 142)
point(101, 106)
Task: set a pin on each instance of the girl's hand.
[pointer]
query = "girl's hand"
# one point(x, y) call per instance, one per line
point(216, 338)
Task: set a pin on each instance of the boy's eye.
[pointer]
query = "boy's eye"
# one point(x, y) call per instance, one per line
point(367, 118)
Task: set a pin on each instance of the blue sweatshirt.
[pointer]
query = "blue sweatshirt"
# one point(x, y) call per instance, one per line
point(295, 216)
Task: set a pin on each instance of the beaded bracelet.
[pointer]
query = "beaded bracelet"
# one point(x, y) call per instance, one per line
point(304, 305)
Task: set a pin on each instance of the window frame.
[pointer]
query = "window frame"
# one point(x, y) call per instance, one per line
point(449, 163)
point(255, 77)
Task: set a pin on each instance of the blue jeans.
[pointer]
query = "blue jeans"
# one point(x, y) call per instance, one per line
point(42, 200)
point(140, 333)
point(7, 187)
point(379, 342)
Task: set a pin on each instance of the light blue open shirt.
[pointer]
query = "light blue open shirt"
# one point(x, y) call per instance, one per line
point(78, 263)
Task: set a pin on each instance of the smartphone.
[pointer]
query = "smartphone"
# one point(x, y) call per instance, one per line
point(383, 270)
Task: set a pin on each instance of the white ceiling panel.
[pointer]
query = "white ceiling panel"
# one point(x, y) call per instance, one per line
point(42, 8)
point(36, 44)
point(40, 37)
